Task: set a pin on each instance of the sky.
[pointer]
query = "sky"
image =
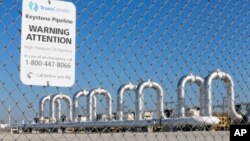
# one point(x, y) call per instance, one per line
point(132, 41)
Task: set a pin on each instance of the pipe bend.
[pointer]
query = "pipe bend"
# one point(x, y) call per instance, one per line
point(181, 92)
point(190, 79)
point(57, 96)
point(126, 87)
point(227, 79)
point(140, 99)
point(147, 84)
point(80, 93)
point(42, 104)
point(67, 98)
point(43, 100)
point(121, 92)
point(53, 101)
point(91, 108)
point(99, 91)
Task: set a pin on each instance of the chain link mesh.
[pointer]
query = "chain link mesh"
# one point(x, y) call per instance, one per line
point(118, 42)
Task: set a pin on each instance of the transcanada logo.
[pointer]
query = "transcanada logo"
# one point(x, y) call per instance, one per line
point(33, 6)
point(54, 9)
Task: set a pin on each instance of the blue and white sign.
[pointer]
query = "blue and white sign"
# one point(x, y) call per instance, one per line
point(48, 43)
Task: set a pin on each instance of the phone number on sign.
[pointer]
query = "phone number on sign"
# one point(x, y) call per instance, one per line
point(41, 63)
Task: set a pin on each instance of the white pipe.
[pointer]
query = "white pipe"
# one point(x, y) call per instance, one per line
point(181, 92)
point(140, 99)
point(75, 102)
point(69, 106)
point(42, 105)
point(229, 84)
point(92, 109)
point(169, 122)
point(120, 100)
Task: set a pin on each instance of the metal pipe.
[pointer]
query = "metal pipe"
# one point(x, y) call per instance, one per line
point(75, 102)
point(58, 107)
point(91, 124)
point(42, 105)
point(229, 84)
point(181, 92)
point(92, 109)
point(169, 122)
point(140, 99)
point(52, 106)
point(120, 100)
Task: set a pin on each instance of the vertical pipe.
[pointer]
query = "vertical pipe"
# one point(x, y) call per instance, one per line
point(121, 91)
point(90, 106)
point(52, 107)
point(69, 107)
point(229, 84)
point(139, 109)
point(140, 99)
point(42, 105)
point(181, 92)
point(58, 107)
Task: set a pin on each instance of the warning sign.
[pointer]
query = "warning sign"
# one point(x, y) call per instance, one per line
point(48, 43)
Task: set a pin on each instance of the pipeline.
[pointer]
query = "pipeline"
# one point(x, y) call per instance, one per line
point(52, 106)
point(140, 99)
point(181, 92)
point(205, 87)
point(42, 105)
point(91, 107)
point(120, 100)
point(230, 93)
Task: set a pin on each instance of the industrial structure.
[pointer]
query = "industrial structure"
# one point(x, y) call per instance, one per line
point(203, 118)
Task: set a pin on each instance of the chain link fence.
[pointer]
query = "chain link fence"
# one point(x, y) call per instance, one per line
point(166, 70)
